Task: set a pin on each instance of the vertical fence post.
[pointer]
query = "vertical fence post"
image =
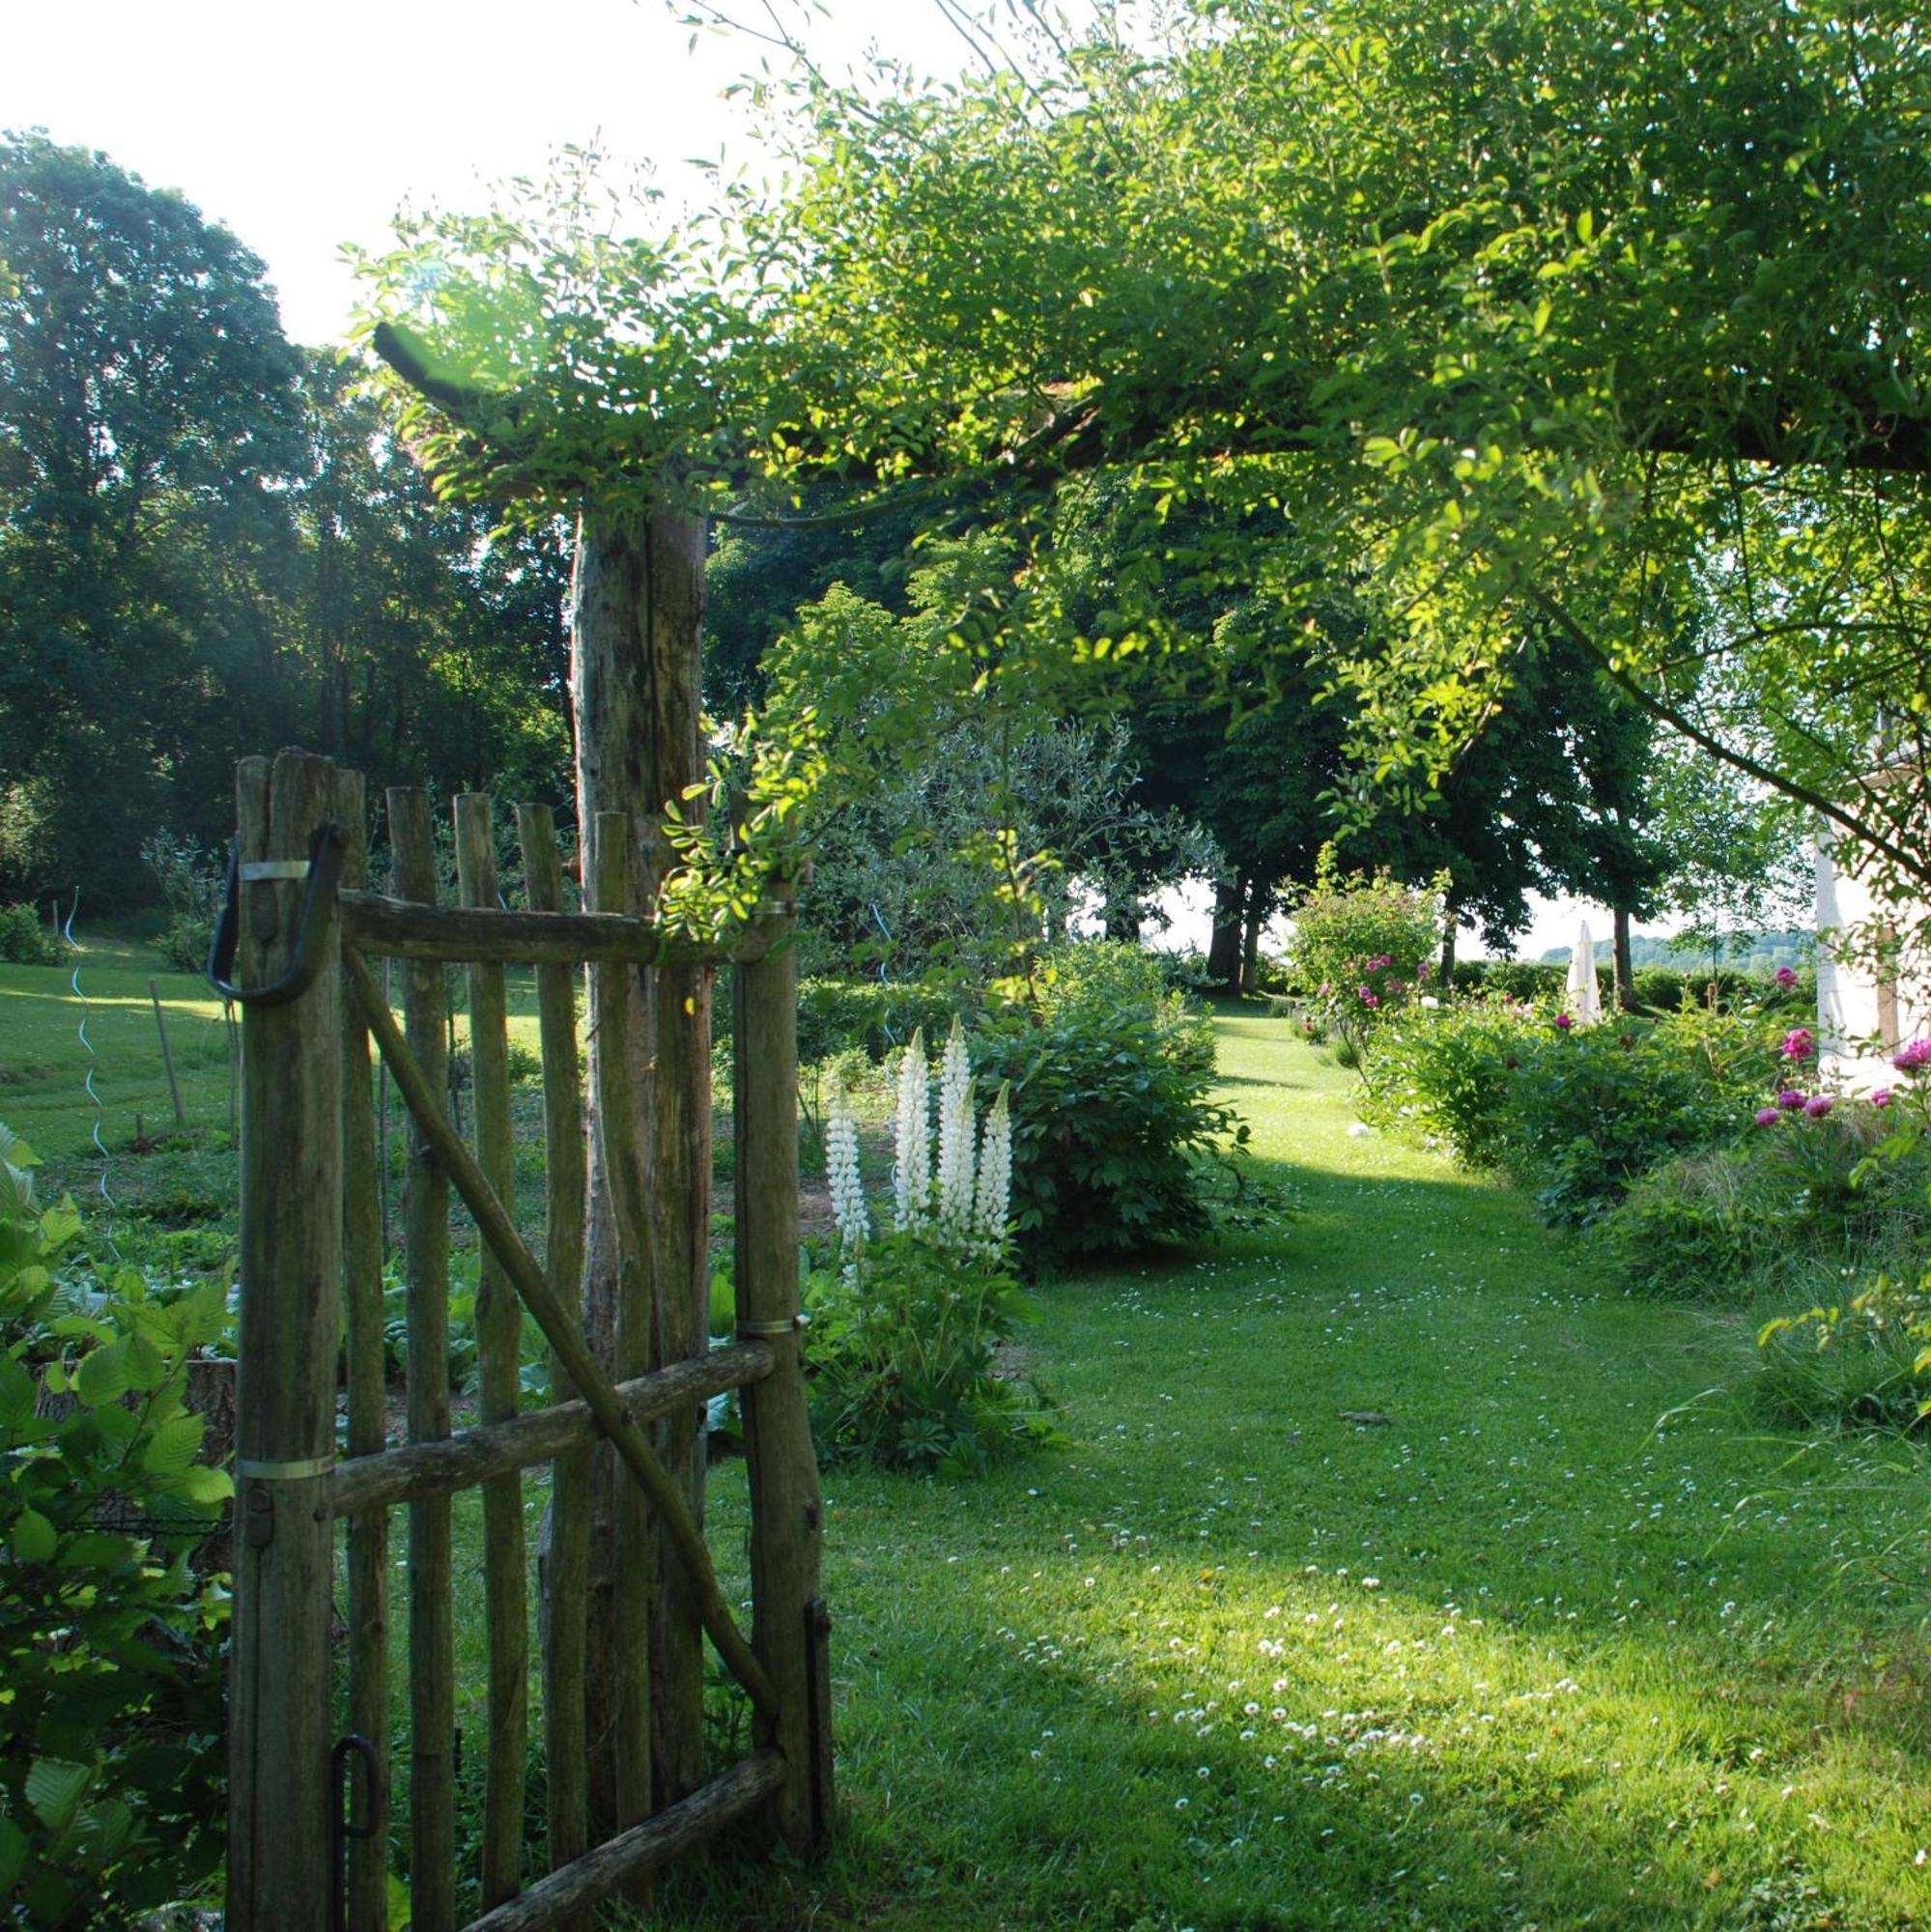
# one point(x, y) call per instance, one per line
point(368, 1422)
point(498, 1359)
point(425, 1209)
point(280, 1872)
point(786, 1511)
point(617, 1126)
point(566, 1577)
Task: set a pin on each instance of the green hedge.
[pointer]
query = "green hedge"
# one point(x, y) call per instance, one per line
point(1573, 1117)
point(1658, 989)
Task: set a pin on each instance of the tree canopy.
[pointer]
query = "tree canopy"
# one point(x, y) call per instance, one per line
point(1532, 312)
point(211, 541)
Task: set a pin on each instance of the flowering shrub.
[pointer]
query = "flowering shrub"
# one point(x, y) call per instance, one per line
point(1763, 1214)
point(1870, 1360)
point(1363, 948)
point(906, 1324)
point(110, 1769)
point(1572, 1116)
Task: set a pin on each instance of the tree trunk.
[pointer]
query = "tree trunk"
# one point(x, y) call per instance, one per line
point(1250, 944)
point(1223, 952)
point(1625, 987)
point(1451, 932)
point(681, 1230)
point(636, 622)
point(608, 686)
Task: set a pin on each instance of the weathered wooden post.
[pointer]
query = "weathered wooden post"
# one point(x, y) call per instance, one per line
point(280, 1867)
point(498, 1349)
point(363, 1187)
point(431, 1636)
point(624, 1731)
point(567, 1579)
point(788, 1626)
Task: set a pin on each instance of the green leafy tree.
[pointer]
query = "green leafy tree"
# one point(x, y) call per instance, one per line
point(148, 416)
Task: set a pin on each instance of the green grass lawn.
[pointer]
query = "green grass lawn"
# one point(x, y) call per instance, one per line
point(1572, 1639)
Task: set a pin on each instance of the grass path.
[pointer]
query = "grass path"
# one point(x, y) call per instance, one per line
point(1570, 1641)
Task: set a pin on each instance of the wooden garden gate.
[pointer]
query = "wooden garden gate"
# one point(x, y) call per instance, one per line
point(309, 1760)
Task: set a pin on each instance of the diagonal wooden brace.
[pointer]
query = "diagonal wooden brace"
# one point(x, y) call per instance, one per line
point(593, 1387)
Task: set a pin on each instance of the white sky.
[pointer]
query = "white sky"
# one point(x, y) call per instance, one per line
point(303, 128)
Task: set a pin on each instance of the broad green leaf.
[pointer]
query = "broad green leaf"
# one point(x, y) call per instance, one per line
point(174, 1445)
point(102, 1377)
point(55, 1789)
point(97, 1549)
point(34, 1539)
point(16, 1393)
point(200, 1484)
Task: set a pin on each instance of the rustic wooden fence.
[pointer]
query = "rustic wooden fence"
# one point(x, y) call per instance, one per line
point(310, 1716)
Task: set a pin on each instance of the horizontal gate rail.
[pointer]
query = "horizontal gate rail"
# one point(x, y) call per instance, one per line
point(678, 1828)
point(466, 935)
point(473, 1456)
point(498, 1231)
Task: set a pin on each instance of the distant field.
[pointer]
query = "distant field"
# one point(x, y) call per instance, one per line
point(44, 1062)
point(45, 1065)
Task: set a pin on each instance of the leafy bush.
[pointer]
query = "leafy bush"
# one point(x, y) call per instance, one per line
point(110, 1793)
point(28, 940)
point(1764, 1214)
point(902, 1359)
point(1363, 948)
point(1655, 989)
point(194, 881)
point(1574, 1116)
point(1511, 979)
point(1115, 1141)
point(1878, 1348)
point(1860, 1367)
point(877, 1016)
point(1668, 989)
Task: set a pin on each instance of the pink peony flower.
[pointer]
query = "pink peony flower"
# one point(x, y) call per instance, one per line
point(1371, 999)
point(1790, 1099)
point(1799, 1045)
point(1785, 976)
point(1768, 1117)
point(1563, 1021)
point(1882, 1098)
point(1912, 1057)
point(1818, 1105)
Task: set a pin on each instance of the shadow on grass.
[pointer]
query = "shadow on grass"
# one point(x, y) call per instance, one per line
point(1105, 1741)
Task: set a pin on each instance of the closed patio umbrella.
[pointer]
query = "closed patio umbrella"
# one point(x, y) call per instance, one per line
point(1585, 1002)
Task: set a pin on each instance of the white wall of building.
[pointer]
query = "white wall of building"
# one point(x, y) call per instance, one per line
point(1862, 1015)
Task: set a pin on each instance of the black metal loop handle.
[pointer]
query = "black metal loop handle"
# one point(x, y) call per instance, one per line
point(324, 873)
point(348, 1822)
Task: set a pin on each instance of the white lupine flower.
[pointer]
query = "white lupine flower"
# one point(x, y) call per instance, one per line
point(993, 1209)
point(912, 1164)
point(848, 1207)
point(956, 1201)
